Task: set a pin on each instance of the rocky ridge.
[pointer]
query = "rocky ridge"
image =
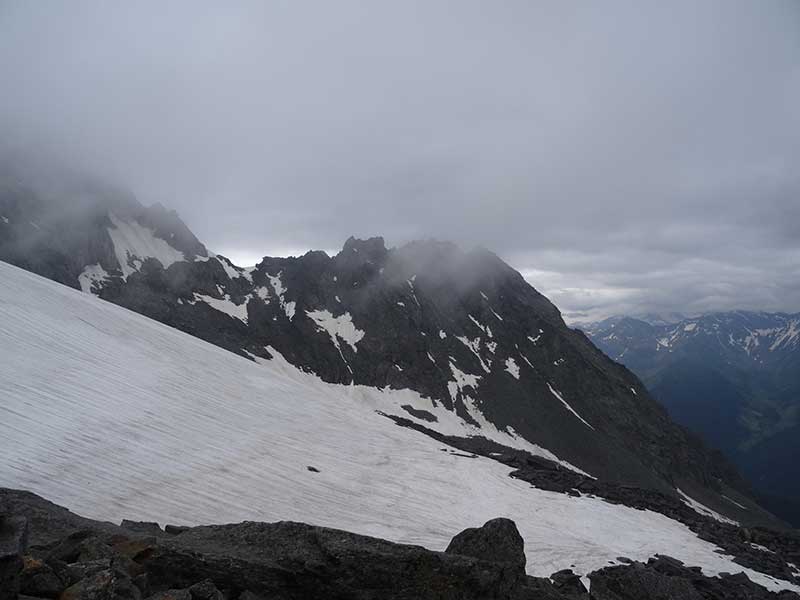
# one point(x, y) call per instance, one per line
point(48, 552)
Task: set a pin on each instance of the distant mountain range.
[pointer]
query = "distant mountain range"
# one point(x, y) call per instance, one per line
point(733, 377)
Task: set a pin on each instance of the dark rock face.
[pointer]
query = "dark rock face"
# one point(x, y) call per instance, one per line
point(569, 584)
point(497, 540)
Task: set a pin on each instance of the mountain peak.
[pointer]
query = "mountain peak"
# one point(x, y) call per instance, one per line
point(373, 249)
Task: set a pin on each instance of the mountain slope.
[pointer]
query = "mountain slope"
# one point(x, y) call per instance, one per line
point(462, 329)
point(732, 377)
point(113, 414)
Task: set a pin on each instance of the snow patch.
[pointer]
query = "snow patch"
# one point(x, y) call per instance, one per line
point(280, 291)
point(788, 335)
point(732, 501)
point(135, 243)
point(232, 271)
point(410, 283)
point(474, 346)
point(91, 276)
point(337, 328)
point(226, 305)
point(462, 380)
point(511, 367)
point(703, 509)
point(483, 328)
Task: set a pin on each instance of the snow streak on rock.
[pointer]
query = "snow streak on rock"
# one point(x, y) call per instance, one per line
point(226, 305)
point(280, 290)
point(567, 406)
point(703, 509)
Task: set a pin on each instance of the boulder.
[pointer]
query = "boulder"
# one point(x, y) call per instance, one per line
point(80, 546)
point(77, 571)
point(13, 544)
point(39, 579)
point(176, 529)
point(496, 541)
point(148, 527)
point(569, 584)
point(103, 585)
point(205, 590)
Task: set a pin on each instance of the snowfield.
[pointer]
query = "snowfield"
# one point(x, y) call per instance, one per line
point(114, 415)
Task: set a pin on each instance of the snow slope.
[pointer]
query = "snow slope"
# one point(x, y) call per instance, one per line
point(114, 415)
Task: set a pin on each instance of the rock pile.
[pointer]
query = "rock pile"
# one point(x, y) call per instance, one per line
point(46, 552)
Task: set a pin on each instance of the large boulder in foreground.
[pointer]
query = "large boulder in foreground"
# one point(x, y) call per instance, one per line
point(497, 541)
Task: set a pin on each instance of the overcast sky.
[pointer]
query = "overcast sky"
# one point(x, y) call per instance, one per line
point(624, 156)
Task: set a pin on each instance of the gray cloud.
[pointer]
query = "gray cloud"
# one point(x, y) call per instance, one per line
point(625, 156)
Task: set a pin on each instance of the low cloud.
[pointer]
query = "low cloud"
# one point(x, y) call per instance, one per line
point(625, 156)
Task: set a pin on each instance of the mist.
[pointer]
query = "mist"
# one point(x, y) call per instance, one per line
point(625, 157)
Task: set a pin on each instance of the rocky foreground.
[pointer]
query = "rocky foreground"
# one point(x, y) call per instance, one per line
point(48, 552)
